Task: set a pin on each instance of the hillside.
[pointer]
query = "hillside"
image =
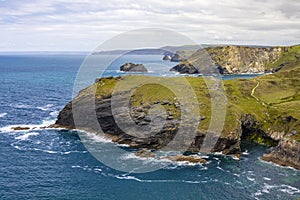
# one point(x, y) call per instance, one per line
point(238, 59)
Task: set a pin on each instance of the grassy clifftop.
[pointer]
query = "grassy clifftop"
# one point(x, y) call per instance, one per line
point(273, 100)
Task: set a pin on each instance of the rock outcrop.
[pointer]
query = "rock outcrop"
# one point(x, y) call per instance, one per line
point(285, 154)
point(182, 55)
point(232, 59)
point(131, 67)
point(144, 153)
point(19, 128)
point(167, 57)
point(186, 68)
point(190, 159)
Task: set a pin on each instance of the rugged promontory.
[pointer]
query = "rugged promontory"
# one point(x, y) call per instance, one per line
point(232, 59)
point(264, 110)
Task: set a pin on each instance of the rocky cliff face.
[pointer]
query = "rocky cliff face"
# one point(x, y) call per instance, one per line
point(285, 154)
point(229, 144)
point(182, 55)
point(244, 127)
point(233, 59)
point(140, 115)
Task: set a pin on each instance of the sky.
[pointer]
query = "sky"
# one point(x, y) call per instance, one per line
point(81, 25)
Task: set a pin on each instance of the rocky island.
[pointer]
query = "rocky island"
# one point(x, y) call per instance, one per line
point(131, 67)
point(264, 110)
point(167, 57)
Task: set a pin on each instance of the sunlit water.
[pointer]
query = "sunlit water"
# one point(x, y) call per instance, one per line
point(54, 164)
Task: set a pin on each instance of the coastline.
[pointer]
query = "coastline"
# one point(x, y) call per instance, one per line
point(113, 139)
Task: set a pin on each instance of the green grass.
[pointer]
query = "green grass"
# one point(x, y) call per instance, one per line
point(155, 93)
point(288, 57)
point(280, 95)
point(105, 87)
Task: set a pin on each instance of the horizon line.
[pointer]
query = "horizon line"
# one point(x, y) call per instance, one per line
point(86, 51)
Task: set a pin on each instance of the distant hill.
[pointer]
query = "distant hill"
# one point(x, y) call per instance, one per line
point(166, 50)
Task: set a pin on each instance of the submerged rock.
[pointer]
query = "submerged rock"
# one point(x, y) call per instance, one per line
point(183, 158)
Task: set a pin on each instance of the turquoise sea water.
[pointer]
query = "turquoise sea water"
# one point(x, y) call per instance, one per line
point(54, 164)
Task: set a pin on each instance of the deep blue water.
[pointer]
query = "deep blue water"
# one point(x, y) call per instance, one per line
point(54, 164)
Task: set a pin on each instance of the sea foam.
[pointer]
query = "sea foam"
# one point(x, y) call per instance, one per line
point(45, 108)
point(3, 115)
point(27, 135)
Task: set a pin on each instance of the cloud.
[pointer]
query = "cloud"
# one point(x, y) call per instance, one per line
point(81, 25)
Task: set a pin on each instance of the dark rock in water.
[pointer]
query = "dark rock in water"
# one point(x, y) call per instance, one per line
point(285, 154)
point(183, 158)
point(185, 68)
point(176, 58)
point(19, 128)
point(131, 67)
point(167, 57)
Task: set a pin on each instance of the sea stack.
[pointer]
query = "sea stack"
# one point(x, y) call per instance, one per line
point(167, 57)
point(131, 67)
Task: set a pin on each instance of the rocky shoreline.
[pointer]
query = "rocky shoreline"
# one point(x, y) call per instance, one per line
point(230, 144)
point(286, 153)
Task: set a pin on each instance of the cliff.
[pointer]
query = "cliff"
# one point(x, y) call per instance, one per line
point(257, 110)
point(234, 59)
point(182, 55)
point(285, 154)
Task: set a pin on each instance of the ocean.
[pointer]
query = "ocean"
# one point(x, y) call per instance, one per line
point(54, 164)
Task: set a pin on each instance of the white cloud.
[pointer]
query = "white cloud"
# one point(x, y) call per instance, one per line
point(81, 25)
